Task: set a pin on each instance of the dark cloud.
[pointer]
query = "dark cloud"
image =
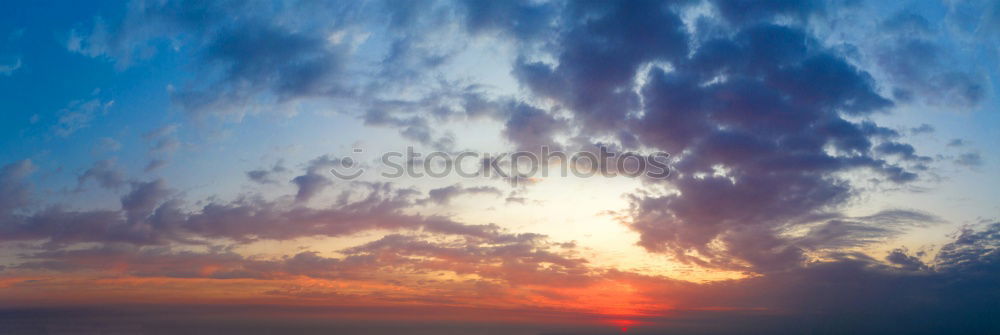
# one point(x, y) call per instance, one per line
point(901, 150)
point(901, 258)
point(416, 119)
point(15, 192)
point(414, 49)
point(525, 20)
point(969, 159)
point(260, 58)
point(517, 259)
point(749, 111)
point(443, 196)
point(252, 219)
point(761, 118)
point(316, 178)
point(750, 146)
point(514, 259)
point(242, 53)
point(530, 128)
point(847, 293)
point(486, 251)
point(59, 226)
point(604, 44)
point(909, 23)
point(145, 197)
point(849, 232)
point(413, 127)
point(920, 68)
point(215, 264)
point(266, 176)
point(766, 126)
point(922, 129)
point(974, 250)
point(517, 200)
point(148, 216)
point(105, 173)
point(744, 11)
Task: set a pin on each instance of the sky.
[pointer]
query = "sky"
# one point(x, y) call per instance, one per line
point(177, 166)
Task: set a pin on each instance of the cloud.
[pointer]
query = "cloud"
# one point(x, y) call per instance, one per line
point(105, 173)
point(15, 192)
point(763, 119)
point(901, 150)
point(922, 129)
point(513, 259)
point(106, 144)
point(920, 67)
point(266, 176)
point(416, 118)
point(443, 196)
point(530, 128)
point(744, 11)
point(901, 258)
point(164, 139)
point(750, 146)
point(416, 128)
point(849, 232)
point(969, 159)
point(316, 179)
point(600, 56)
point(974, 251)
point(248, 220)
point(769, 128)
point(166, 146)
point(78, 115)
point(59, 227)
point(143, 199)
point(260, 58)
point(850, 292)
point(956, 142)
point(149, 216)
point(525, 20)
point(8, 69)
point(163, 131)
point(245, 57)
point(164, 262)
point(133, 38)
point(154, 164)
point(518, 260)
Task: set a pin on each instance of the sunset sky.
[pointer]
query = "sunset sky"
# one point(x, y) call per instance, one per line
point(165, 167)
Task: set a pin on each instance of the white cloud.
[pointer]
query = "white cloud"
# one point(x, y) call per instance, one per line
point(8, 68)
point(78, 115)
